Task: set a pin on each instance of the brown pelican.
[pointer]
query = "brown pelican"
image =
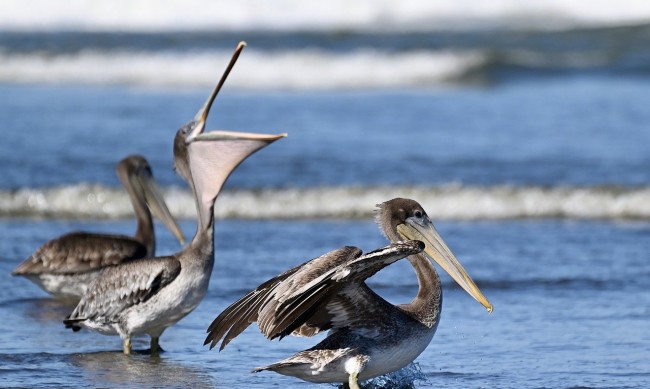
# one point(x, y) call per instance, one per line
point(65, 266)
point(368, 336)
point(149, 295)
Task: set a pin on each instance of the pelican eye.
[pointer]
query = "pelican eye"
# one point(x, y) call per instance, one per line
point(418, 214)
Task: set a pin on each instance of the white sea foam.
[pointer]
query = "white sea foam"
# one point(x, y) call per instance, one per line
point(365, 15)
point(402, 378)
point(455, 202)
point(306, 69)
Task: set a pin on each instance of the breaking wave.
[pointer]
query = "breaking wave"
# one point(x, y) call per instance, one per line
point(305, 69)
point(454, 202)
point(328, 45)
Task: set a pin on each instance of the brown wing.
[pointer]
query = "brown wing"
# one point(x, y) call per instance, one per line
point(324, 293)
point(120, 287)
point(347, 302)
point(350, 307)
point(80, 252)
point(239, 315)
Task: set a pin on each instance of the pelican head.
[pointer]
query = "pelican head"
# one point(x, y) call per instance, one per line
point(188, 132)
point(405, 219)
point(136, 176)
point(206, 159)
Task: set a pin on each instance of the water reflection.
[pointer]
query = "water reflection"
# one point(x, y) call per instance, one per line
point(47, 310)
point(114, 369)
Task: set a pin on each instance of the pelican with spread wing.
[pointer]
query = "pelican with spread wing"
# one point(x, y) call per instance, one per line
point(368, 336)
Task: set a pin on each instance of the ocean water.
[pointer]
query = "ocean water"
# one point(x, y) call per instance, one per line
point(571, 308)
point(521, 128)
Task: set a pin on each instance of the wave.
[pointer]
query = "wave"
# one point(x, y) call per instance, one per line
point(361, 15)
point(306, 69)
point(452, 202)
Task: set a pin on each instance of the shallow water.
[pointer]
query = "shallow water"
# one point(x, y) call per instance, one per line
point(571, 308)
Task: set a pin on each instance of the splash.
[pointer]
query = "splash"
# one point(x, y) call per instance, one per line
point(404, 378)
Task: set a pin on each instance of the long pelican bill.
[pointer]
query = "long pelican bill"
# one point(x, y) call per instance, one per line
point(437, 250)
point(202, 115)
point(213, 156)
point(153, 197)
point(236, 135)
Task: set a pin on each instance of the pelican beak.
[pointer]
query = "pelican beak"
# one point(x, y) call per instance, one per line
point(198, 134)
point(213, 156)
point(153, 197)
point(436, 249)
point(202, 115)
point(206, 159)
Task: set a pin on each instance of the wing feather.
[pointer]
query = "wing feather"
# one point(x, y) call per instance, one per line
point(343, 293)
point(120, 287)
point(80, 252)
point(235, 312)
point(311, 297)
point(262, 297)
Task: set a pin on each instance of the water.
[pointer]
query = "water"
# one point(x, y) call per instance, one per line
point(571, 308)
point(567, 147)
point(520, 128)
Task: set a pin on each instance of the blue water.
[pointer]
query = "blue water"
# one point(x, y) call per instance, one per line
point(568, 131)
point(571, 309)
point(531, 145)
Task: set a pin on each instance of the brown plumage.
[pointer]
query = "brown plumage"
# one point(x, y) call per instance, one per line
point(79, 252)
point(66, 265)
point(132, 283)
point(292, 302)
point(368, 335)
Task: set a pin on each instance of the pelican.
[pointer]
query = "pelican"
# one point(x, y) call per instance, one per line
point(368, 336)
point(65, 266)
point(149, 295)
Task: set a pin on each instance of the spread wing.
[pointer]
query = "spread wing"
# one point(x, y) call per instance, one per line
point(118, 288)
point(326, 292)
point(238, 316)
point(80, 252)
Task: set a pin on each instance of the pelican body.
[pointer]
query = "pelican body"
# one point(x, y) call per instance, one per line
point(368, 336)
point(65, 266)
point(149, 295)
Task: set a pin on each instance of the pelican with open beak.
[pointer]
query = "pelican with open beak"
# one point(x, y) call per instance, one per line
point(147, 296)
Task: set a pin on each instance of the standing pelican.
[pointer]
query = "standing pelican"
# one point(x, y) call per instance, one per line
point(149, 295)
point(368, 335)
point(65, 266)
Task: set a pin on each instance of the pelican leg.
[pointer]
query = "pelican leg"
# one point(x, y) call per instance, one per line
point(126, 345)
point(155, 345)
point(353, 380)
